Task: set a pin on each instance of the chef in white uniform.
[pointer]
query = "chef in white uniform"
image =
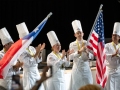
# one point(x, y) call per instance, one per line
point(112, 51)
point(81, 73)
point(7, 42)
point(30, 58)
point(58, 61)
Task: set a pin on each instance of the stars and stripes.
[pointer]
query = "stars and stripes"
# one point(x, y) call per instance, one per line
point(96, 45)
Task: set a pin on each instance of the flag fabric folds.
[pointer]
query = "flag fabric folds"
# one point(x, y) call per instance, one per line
point(96, 44)
point(18, 48)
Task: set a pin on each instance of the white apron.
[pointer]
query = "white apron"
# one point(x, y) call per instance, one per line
point(30, 76)
point(30, 68)
point(113, 82)
point(113, 68)
point(81, 73)
point(57, 81)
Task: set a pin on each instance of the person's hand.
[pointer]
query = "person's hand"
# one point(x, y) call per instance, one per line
point(70, 52)
point(38, 48)
point(17, 66)
point(115, 53)
point(63, 53)
point(42, 46)
point(81, 50)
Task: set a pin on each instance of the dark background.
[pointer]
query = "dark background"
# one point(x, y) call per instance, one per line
point(32, 12)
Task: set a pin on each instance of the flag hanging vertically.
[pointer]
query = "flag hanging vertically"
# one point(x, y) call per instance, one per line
point(18, 48)
point(96, 43)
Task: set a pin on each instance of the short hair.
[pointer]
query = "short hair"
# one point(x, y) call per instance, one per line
point(90, 87)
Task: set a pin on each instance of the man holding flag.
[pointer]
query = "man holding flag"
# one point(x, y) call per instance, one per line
point(112, 51)
point(7, 42)
point(81, 73)
point(30, 58)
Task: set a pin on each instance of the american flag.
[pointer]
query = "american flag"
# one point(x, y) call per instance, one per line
point(96, 44)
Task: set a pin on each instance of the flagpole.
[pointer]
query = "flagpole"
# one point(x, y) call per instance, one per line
point(48, 16)
point(100, 9)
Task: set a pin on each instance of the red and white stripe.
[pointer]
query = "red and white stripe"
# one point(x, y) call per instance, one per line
point(101, 76)
point(98, 49)
point(93, 42)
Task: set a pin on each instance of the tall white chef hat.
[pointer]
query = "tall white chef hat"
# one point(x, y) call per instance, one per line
point(22, 29)
point(52, 38)
point(116, 29)
point(5, 36)
point(76, 26)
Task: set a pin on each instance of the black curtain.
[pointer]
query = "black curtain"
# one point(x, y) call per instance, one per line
point(32, 12)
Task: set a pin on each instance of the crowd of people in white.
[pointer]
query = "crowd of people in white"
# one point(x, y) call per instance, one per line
point(81, 76)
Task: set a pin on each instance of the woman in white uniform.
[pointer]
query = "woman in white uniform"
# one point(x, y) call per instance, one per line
point(30, 58)
point(58, 61)
point(81, 73)
point(112, 50)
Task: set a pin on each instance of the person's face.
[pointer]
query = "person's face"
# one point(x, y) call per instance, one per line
point(115, 37)
point(8, 45)
point(79, 34)
point(57, 47)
